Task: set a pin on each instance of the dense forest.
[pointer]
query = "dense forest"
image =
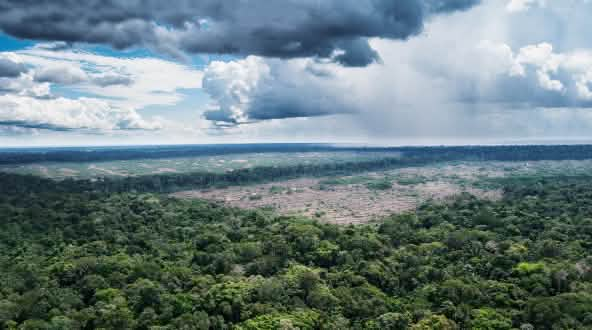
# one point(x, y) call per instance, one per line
point(88, 259)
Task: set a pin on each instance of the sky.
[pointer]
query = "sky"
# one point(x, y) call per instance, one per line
point(379, 72)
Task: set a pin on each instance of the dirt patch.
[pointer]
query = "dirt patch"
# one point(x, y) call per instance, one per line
point(341, 203)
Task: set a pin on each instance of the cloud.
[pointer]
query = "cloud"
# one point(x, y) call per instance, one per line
point(62, 114)
point(110, 79)
point(356, 53)
point(109, 91)
point(24, 85)
point(56, 46)
point(522, 5)
point(504, 69)
point(479, 86)
point(539, 76)
point(16, 131)
point(9, 68)
point(334, 29)
point(255, 89)
point(126, 82)
point(71, 75)
point(67, 75)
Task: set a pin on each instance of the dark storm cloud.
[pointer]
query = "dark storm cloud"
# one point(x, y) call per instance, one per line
point(10, 69)
point(357, 53)
point(282, 103)
point(255, 89)
point(278, 106)
point(293, 28)
point(443, 6)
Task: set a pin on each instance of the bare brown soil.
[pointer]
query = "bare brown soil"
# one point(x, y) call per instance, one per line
point(347, 203)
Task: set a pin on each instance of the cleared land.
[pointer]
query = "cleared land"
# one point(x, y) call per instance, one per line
point(355, 199)
point(352, 199)
point(362, 198)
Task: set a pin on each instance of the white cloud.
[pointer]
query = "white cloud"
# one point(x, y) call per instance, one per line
point(117, 88)
point(499, 58)
point(572, 70)
point(65, 114)
point(152, 81)
point(74, 75)
point(522, 5)
point(231, 84)
point(24, 85)
point(62, 74)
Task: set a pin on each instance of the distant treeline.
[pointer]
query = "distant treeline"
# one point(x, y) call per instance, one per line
point(163, 183)
point(499, 153)
point(90, 154)
point(503, 153)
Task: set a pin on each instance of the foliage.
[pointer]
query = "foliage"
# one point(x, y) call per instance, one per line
point(379, 185)
point(88, 259)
